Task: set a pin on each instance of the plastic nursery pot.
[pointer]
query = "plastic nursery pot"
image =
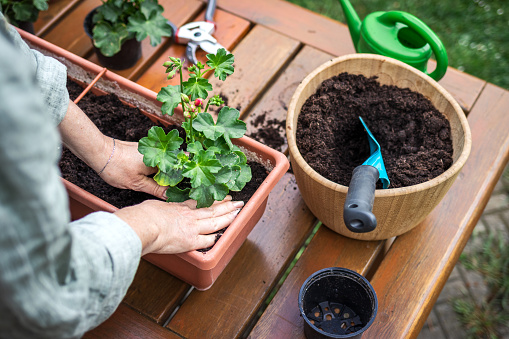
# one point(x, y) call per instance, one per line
point(337, 303)
point(397, 210)
point(129, 54)
point(195, 268)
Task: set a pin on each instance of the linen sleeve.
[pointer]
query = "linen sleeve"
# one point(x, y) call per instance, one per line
point(57, 279)
point(50, 74)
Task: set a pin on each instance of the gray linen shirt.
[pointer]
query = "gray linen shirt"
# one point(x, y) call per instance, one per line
point(58, 278)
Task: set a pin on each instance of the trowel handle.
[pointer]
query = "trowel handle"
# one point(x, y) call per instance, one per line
point(357, 212)
point(426, 34)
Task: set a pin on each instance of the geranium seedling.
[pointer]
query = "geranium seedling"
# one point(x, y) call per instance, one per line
point(213, 165)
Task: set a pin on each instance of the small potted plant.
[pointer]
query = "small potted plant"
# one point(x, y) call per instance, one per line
point(117, 28)
point(212, 165)
point(23, 13)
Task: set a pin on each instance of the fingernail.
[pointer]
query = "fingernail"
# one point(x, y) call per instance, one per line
point(238, 204)
point(235, 212)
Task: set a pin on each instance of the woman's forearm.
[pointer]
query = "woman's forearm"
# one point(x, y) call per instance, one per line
point(84, 139)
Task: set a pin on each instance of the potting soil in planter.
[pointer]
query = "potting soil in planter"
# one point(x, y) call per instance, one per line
point(415, 138)
point(123, 122)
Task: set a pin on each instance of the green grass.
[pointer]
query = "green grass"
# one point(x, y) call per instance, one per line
point(475, 33)
point(491, 260)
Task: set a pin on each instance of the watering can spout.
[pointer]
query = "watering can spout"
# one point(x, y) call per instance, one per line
point(353, 21)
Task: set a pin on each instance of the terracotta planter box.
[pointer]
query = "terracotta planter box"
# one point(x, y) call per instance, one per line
point(196, 268)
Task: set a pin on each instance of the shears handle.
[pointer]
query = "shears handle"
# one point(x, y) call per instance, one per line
point(211, 9)
point(174, 30)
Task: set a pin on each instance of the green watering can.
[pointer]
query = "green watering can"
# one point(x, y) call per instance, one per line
point(398, 35)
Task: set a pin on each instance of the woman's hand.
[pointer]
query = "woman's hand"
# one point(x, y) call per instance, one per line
point(168, 228)
point(124, 164)
point(126, 170)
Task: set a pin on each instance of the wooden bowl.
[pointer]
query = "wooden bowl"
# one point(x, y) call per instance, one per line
point(397, 210)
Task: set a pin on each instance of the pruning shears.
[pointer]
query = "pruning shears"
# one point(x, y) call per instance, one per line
point(198, 34)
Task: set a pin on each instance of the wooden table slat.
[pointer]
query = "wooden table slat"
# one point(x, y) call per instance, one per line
point(155, 293)
point(420, 261)
point(225, 310)
point(256, 64)
point(296, 22)
point(230, 29)
point(69, 32)
point(178, 12)
point(126, 323)
point(327, 249)
point(333, 37)
point(56, 10)
point(464, 87)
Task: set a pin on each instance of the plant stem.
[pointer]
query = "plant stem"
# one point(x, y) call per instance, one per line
point(191, 137)
point(191, 127)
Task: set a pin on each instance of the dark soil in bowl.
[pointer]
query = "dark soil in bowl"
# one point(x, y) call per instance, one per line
point(415, 138)
point(123, 122)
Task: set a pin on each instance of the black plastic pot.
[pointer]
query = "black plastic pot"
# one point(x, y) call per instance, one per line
point(337, 303)
point(129, 54)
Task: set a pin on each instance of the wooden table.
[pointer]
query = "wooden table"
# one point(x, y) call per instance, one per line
point(276, 44)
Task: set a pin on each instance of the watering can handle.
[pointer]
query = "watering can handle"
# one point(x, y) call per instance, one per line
point(427, 34)
point(357, 211)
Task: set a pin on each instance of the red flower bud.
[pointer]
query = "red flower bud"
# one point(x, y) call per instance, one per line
point(198, 102)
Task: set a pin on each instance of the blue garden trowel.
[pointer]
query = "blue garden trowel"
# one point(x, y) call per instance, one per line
point(357, 212)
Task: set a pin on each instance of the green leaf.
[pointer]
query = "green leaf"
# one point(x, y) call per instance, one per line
point(110, 11)
point(205, 195)
point(41, 5)
point(170, 97)
point(195, 147)
point(109, 38)
point(204, 122)
point(175, 194)
point(222, 63)
point(156, 26)
point(24, 11)
point(229, 159)
point(242, 157)
point(200, 170)
point(147, 7)
point(197, 88)
point(228, 176)
point(228, 125)
point(244, 177)
point(218, 146)
point(171, 178)
point(160, 149)
point(120, 3)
